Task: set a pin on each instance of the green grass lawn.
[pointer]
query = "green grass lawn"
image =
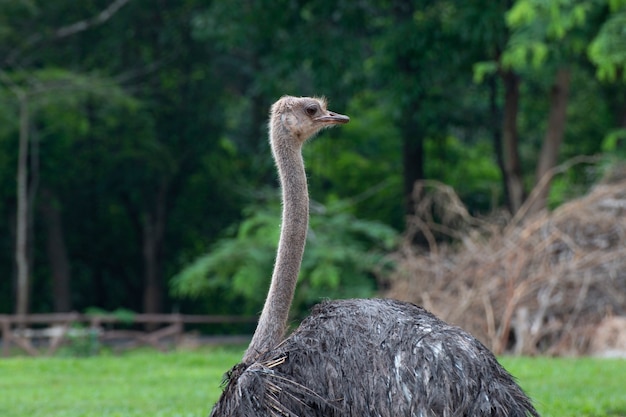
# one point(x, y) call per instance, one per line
point(185, 384)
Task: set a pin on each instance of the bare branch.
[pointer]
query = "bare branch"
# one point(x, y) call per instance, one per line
point(66, 31)
point(99, 19)
point(14, 88)
point(524, 210)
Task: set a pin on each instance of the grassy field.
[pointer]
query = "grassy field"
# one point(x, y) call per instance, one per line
point(186, 384)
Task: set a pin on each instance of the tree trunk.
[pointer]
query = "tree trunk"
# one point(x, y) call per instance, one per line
point(57, 252)
point(496, 117)
point(616, 97)
point(21, 244)
point(412, 137)
point(413, 158)
point(152, 284)
point(512, 166)
point(552, 141)
point(153, 229)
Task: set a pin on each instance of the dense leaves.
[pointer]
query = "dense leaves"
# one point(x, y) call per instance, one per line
point(147, 137)
point(342, 256)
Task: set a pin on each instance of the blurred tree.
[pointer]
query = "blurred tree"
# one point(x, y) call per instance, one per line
point(547, 37)
point(28, 90)
point(157, 58)
point(607, 52)
point(360, 163)
point(547, 41)
point(134, 189)
point(34, 91)
point(414, 37)
point(145, 168)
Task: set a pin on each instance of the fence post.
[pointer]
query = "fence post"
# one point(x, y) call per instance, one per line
point(180, 329)
point(6, 336)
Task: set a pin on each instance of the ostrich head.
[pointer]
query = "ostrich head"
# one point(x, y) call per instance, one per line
point(300, 118)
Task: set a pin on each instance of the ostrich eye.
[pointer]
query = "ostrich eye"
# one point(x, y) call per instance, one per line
point(311, 110)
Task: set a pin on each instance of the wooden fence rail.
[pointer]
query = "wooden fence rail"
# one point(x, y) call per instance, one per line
point(17, 329)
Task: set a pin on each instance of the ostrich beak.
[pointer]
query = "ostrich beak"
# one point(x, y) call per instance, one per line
point(333, 118)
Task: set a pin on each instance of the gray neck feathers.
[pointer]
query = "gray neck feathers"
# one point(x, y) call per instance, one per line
point(295, 218)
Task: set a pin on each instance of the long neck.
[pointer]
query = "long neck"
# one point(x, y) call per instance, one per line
point(295, 218)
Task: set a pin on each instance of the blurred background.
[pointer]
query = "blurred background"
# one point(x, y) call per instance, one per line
point(135, 171)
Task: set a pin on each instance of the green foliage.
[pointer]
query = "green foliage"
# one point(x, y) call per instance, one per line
point(472, 168)
point(82, 342)
point(483, 69)
point(542, 29)
point(124, 315)
point(235, 262)
point(160, 113)
point(342, 255)
point(615, 143)
point(608, 49)
point(559, 17)
point(359, 162)
point(567, 186)
point(563, 27)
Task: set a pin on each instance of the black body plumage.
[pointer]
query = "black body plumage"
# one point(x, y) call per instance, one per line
point(373, 357)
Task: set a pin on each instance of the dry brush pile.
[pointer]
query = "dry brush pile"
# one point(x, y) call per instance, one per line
point(540, 285)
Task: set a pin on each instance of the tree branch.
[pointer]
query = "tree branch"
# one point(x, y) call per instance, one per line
point(66, 31)
point(83, 25)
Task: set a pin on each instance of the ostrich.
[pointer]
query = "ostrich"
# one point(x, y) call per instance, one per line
point(359, 357)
